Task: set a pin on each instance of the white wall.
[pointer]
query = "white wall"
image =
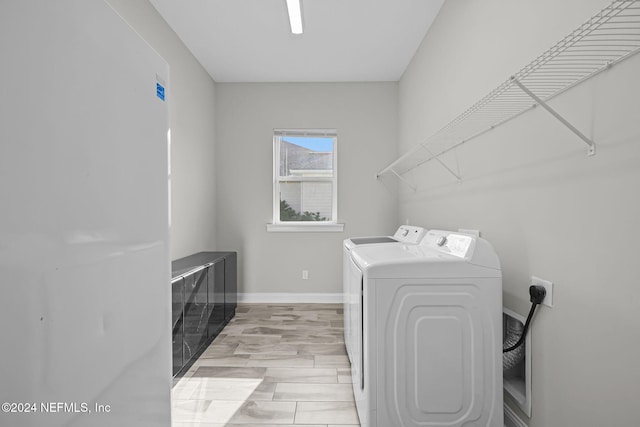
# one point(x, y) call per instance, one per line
point(549, 210)
point(246, 114)
point(191, 101)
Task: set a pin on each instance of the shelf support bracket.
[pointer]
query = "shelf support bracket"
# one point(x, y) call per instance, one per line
point(592, 146)
point(401, 178)
point(457, 175)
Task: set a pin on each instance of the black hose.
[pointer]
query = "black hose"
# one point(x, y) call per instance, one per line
point(524, 331)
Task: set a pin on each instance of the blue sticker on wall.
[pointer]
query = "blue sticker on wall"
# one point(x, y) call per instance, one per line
point(160, 91)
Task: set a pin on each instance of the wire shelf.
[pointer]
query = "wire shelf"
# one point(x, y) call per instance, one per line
point(609, 37)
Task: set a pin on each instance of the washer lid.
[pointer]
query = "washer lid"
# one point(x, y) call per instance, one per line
point(375, 239)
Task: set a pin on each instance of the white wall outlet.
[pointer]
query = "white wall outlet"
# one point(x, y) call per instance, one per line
point(548, 286)
point(305, 274)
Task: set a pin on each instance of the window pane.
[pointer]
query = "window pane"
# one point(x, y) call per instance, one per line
point(306, 201)
point(306, 156)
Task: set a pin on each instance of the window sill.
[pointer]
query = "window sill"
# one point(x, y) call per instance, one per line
point(301, 227)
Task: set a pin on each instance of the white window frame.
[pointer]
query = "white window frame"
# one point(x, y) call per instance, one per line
point(304, 226)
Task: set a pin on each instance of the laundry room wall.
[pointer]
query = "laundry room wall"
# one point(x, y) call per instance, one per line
point(191, 97)
point(364, 115)
point(530, 188)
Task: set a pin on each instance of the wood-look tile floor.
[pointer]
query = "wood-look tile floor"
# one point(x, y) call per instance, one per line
point(272, 366)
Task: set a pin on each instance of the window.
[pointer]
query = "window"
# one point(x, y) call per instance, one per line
point(305, 181)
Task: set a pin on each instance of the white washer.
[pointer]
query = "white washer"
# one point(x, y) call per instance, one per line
point(428, 348)
point(405, 234)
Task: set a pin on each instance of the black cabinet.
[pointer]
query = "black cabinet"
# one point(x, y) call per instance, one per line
point(230, 285)
point(195, 312)
point(217, 292)
point(204, 299)
point(177, 320)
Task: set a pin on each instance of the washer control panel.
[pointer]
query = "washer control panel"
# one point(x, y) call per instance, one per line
point(459, 245)
point(409, 234)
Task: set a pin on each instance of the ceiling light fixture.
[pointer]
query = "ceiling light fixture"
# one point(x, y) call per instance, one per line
point(295, 16)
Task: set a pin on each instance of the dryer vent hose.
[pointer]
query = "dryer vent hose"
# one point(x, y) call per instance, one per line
point(514, 330)
point(516, 333)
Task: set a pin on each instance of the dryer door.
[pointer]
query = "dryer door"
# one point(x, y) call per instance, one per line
point(438, 350)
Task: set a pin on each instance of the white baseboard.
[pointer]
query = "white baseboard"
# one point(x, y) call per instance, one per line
point(289, 298)
point(511, 419)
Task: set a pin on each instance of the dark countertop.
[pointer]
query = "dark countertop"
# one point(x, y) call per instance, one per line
point(183, 265)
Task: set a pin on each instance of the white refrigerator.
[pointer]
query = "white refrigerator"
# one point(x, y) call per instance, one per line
point(84, 219)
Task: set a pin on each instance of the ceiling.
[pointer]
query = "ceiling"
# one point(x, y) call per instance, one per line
point(343, 40)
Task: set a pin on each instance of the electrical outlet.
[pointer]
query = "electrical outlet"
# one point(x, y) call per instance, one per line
point(548, 287)
point(305, 274)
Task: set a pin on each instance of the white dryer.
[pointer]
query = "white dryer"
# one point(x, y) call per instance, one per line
point(405, 234)
point(427, 350)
